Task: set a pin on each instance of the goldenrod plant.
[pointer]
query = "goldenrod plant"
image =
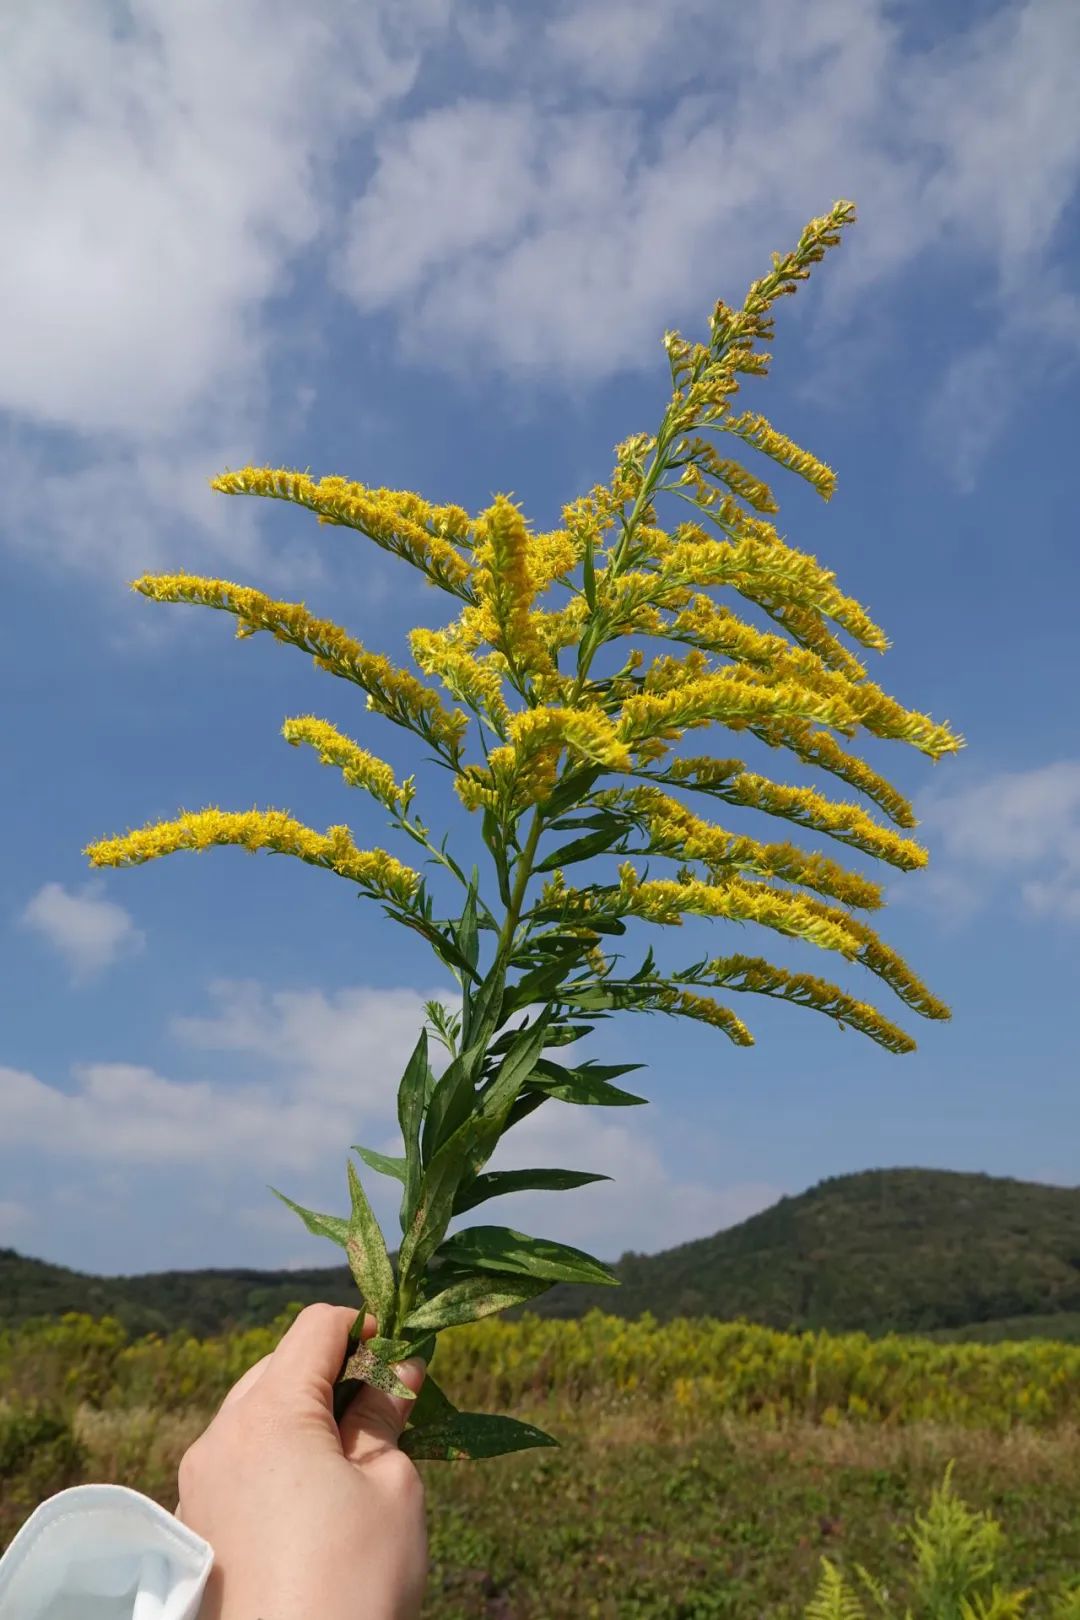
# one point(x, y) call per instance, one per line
point(579, 660)
point(957, 1556)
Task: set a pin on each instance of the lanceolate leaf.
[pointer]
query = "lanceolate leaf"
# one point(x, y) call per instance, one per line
point(364, 1364)
point(516, 1066)
point(466, 933)
point(382, 1162)
point(572, 789)
point(327, 1226)
point(587, 1085)
point(368, 1259)
point(559, 1034)
point(542, 983)
point(435, 1200)
point(432, 1405)
point(467, 1435)
point(472, 1298)
point(580, 849)
point(412, 1095)
point(499, 1182)
point(450, 1103)
point(499, 1248)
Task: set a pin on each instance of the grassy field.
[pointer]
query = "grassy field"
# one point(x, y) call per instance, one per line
point(658, 1506)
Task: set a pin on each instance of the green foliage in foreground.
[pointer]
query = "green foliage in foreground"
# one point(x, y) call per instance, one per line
point(704, 1470)
point(922, 1251)
point(644, 1514)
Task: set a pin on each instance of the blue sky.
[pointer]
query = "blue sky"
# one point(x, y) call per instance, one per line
point(435, 247)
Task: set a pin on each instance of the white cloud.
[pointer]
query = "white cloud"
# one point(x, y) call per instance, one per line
point(343, 1050)
point(646, 1206)
point(1019, 830)
point(310, 1073)
point(171, 166)
point(327, 1069)
point(166, 165)
point(562, 232)
point(89, 931)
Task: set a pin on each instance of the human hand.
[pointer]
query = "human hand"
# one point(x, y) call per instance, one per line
point(308, 1521)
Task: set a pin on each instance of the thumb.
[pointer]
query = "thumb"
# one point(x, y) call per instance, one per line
point(374, 1420)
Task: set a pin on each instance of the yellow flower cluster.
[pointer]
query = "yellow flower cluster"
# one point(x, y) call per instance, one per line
point(685, 1004)
point(763, 436)
point(505, 589)
point(391, 691)
point(273, 830)
point(397, 520)
point(523, 772)
point(757, 976)
point(472, 679)
point(818, 748)
point(722, 696)
point(847, 822)
point(869, 949)
point(668, 900)
point(765, 572)
point(713, 628)
point(358, 767)
point(675, 830)
point(704, 456)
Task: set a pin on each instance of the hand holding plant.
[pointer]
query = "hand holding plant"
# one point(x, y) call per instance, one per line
point(561, 726)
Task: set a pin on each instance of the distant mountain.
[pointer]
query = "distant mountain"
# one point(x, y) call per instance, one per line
point(914, 1251)
point(907, 1250)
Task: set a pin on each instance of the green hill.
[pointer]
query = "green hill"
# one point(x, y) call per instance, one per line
point(916, 1251)
point(907, 1250)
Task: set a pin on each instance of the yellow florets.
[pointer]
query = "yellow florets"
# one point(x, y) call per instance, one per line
point(273, 830)
point(391, 691)
point(505, 589)
point(397, 520)
point(357, 766)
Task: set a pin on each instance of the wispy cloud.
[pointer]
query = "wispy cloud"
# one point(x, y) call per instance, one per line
point(1014, 835)
point(172, 176)
point(88, 930)
point(165, 173)
point(308, 1074)
point(561, 231)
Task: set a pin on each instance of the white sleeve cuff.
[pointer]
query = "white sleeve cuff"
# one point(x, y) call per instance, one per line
point(102, 1552)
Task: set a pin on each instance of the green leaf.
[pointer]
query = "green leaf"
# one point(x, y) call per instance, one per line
point(580, 849)
point(527, 1104)
point(572, 789)
point(466, 934)
point(368, 1259)
point(442, 944)
point(432, 1405)
point(469, 1435)
point(412, 1095)
point(382, 1162)
point(327, 1226)
point(435, 1200)
point(499, 1248)
point(450, 1103)
point(586, 1086)
point(366, 1366)
point(589, 572)
point(499, 1182)
point(400, 1349)
point(542, 983)
point(473, 1297)
point(517, 1065)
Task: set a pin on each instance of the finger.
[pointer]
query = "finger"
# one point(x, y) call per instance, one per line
point(245, 1382)
point(375, 1420)
point(310, 1355)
